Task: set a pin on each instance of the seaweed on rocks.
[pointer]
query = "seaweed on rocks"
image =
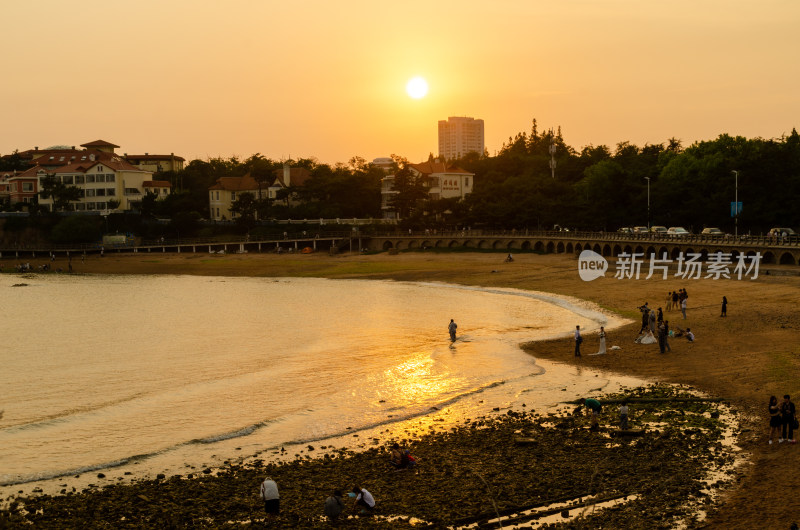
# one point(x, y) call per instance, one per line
point(466, 475)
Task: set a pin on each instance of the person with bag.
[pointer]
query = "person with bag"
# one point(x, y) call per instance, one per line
point(789, 421)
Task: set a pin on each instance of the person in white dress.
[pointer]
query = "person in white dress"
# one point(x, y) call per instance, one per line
point(602, 341)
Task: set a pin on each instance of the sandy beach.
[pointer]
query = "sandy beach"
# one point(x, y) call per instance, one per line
point(743, 358)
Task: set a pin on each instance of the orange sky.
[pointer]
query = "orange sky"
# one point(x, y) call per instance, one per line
point(327, 79)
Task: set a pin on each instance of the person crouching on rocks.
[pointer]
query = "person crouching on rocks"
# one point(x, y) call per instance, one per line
point(272, 501)
point(364, 499)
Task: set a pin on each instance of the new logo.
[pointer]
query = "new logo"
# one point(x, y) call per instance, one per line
point(591, 265)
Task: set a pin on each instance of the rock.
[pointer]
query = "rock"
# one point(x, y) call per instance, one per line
point(162, 476)
point(101, 475)
point(207, 471)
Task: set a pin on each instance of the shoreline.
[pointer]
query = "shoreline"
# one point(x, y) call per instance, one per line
point(744, 358)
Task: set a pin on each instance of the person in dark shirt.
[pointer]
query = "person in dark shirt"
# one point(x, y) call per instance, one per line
point(594, 406)
point(787, 419)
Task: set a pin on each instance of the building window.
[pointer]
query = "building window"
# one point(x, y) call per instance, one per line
point(78, 179)
point(27, 186)
point(217, 195)
point(100, 178)
point(233, 195)
point(110, 177)
point(90, 193)
point(89, 179)
point(100, 169)
point(67, 179)
point(111, 192)
point(466, 182)
point(100, 192)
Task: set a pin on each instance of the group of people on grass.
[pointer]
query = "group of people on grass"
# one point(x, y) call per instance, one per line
point(363, 500)
point(782, 420)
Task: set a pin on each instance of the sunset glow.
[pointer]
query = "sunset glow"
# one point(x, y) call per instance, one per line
point(208, 79)
point(417, 87)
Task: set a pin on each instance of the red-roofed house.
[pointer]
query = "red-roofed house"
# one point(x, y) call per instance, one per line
point(226, 190)
point(444, 182)
point(160, 188)
point(288, 177)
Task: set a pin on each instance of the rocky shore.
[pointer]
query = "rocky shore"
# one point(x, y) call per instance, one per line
point(508, 464)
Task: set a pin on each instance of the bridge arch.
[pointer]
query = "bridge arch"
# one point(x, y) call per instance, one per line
point(662, 251)
point(639, 249)
point(628, 249)
point(412, 244)
point(512, 245)
point(426, 244)
point(468, 244)
point(787, 259)
point(617, 250)
point(387, 245)
point(399, 244)
point(768, 257)
point(483, 244)
point(526, 245)
point(570, 250)
point(538, 246)
point(676, 251)
point(560, 247)
point(452, 244)
point(439, 244)
point(550, 247)
point(649, 251)
point(597, 248)
point(497, 244)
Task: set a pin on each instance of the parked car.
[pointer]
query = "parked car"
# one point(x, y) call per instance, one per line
point(625, 230)
point(640, 230)
point(712, 232)
point(658, 230)
point(677, 231)
point(782, 232)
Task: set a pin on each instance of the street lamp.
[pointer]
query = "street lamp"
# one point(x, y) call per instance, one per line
point(648, 203)
point(736, 205)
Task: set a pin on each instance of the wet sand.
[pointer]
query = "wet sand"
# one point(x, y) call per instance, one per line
point(746, 357)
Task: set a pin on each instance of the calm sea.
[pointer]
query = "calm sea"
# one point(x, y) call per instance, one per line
point(151, 374)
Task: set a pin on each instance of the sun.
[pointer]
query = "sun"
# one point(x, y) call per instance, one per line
point(417, 87)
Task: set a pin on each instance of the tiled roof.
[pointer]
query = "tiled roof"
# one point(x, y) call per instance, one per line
point(245, 183)
point(99, 143)
point(297, 176)
point(430, 168)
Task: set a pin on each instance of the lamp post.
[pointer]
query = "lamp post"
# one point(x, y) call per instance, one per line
point(736, 205)
point(648, 203)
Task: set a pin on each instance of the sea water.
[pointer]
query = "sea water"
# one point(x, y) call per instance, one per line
point(160, 374)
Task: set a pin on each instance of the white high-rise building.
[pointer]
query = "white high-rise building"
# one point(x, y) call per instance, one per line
point(459, 136)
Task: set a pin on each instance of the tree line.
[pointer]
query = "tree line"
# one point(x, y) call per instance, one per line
point(596, 188)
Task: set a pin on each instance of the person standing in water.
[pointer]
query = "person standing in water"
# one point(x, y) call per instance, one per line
point(452, 329)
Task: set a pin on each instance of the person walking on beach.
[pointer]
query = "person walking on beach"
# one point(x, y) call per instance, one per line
point(683, 308)
point(675, 299)
point(452, 329)
point(602, 348)
point(668, 303)
point(787, 419)
point(775, 420)
point(724, 307)
point(364, 499)
point(578, 340)
point(334, 505)
point(594, 406)
point(272, 501)
point(623, 416)
point(666, 336)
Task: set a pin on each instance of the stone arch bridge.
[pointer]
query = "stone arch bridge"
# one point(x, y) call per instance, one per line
point(773, 250)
